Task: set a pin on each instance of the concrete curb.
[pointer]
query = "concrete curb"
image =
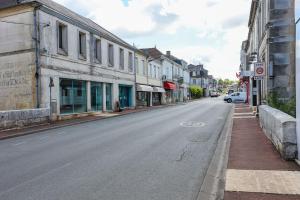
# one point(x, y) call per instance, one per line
point(213, 185)
point(79, 122)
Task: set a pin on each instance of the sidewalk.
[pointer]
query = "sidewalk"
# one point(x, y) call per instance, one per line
point(255, 170)
point(5, 134)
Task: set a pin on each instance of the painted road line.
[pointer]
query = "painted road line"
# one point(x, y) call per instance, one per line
point(19, 143)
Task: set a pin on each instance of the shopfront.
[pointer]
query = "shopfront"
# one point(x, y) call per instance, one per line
point(143, 95)
point(157, 96)
point(170, 91)
point(125, 96)
point(96, 96)
point(73, 97)
point(108, 88)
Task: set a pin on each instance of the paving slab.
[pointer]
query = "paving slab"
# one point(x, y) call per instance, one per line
point(263, 181)
point(258, 196)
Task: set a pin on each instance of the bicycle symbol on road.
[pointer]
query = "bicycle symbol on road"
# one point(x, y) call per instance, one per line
point(192, 124)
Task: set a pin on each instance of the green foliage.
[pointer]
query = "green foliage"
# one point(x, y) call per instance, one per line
point(196, 91)
point(225, 83)
point(287, 107)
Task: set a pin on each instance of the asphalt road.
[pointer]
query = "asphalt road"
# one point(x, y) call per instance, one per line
point(160, 154)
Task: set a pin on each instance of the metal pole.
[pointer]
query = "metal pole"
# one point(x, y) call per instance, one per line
point(50, 116)
point(297, 53)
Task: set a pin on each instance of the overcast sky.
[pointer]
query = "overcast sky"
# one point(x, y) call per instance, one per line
point(199, 31)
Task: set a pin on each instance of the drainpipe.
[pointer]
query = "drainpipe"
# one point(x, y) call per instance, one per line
point(134, 71)
point(297, 53)
point(37, 56)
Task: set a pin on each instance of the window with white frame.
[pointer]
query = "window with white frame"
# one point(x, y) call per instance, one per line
point(145, 68)
point(82, 45)
point(121, 58)
point(136, 64)
point(150, 70)
point(130, 61)
point(142, 72)
point(97, 50)
point(62, 38)
point(110, 55)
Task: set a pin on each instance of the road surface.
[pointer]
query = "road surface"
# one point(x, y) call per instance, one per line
point(159, 154)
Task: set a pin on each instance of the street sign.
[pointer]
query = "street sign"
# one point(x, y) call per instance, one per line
point(259, 70)
point(258, 78)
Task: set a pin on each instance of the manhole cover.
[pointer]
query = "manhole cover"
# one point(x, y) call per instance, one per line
point(192, 124)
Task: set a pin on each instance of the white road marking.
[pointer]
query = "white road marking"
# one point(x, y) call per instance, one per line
point(60, 133)
point(192, 124)
point(17, 144)
point(43, 137)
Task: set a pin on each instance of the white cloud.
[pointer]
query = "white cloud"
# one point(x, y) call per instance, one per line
point(224, 22)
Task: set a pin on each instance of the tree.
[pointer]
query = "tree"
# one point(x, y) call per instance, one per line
point(196, 91)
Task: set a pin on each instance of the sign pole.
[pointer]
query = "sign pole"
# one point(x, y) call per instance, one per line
point(297, 53)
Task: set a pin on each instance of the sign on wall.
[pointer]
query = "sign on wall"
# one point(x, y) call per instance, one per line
point(259, 70)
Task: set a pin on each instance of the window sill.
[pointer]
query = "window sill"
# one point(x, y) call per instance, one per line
point(62, 52)
point(97, 62)
point(81, 57)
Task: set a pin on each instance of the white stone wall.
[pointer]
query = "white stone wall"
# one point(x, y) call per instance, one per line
point(25, 117)
point(280, 128)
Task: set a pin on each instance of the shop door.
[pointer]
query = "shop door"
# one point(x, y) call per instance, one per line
point(96, 96)
point(124, 96)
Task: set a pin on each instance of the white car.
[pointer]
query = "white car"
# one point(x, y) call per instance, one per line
point(236, 97)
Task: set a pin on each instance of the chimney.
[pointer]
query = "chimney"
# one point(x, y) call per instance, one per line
point(168, 53)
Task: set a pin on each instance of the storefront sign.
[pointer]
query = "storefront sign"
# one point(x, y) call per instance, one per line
point(247, 73)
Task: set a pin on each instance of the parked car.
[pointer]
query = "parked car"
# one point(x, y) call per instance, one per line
point(214, 94)
point(230, 91)
point(236, 97)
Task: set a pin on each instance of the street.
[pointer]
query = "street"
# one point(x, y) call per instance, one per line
point(158, 154)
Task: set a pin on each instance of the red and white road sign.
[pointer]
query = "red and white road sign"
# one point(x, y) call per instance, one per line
point(259, 69)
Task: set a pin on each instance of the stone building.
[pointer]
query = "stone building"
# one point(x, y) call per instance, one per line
point(271, 41)
point(199, 76)
point(50, 55)
point(149, 91)
point(171, 74)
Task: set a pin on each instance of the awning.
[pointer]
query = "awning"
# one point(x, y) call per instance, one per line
point(144, 88)
point(159, 89)
point(169, 86)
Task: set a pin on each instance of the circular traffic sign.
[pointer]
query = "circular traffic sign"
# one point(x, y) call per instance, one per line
point(260, 70)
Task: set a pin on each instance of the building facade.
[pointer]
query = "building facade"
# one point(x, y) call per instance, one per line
point(199, 76)
point(149, 91)
point(59, 59)
point(271, 42)
point(171, 75)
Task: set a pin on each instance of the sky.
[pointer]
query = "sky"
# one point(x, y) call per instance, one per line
point(209, 32)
